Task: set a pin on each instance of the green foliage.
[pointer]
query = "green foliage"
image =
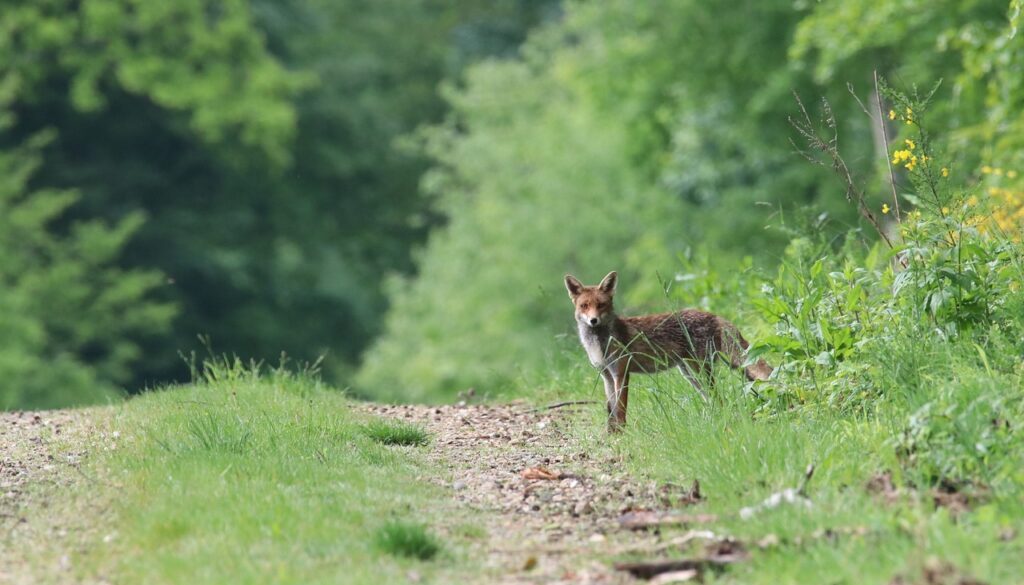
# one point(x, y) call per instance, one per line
point(909, 332)
point(973, 46)
point(965, 433)
point(73, 320)
point(200, 58)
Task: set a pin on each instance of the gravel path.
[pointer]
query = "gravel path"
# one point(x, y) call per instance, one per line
point(562, 530)
point(34, 462)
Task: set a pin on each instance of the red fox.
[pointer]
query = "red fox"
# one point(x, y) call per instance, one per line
point(618, 346)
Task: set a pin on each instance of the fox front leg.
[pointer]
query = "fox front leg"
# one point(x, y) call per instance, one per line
point(609, 389)
point(620, 398)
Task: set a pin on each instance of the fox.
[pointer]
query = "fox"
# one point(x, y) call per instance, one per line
point(689, 340)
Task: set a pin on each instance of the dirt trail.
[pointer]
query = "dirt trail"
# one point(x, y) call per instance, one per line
point(537, 531)
point(563, 530)
point(32, 466)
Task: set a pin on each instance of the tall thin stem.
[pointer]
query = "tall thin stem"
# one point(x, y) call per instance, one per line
point(885, 141)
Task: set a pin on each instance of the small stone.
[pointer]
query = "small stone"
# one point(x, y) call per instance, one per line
point(597, 537)
point(459, 485)
point(582, 507)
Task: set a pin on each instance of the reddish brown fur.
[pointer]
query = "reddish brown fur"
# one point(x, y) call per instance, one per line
point(619, 346)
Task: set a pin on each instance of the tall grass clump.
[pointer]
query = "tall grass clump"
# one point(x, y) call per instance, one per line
point(396, 433)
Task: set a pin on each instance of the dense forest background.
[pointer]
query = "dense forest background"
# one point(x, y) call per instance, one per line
point(400, 186)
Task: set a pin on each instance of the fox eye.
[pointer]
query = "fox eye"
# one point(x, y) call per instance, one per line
point(585, 306)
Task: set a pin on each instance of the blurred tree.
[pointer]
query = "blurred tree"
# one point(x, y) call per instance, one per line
point(259, 138)
point(72, 318)
point(150, 103)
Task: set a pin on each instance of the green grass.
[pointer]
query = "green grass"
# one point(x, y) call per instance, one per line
point(249, 479)
point(396, 433)
point(849, 535)
point(407, 540)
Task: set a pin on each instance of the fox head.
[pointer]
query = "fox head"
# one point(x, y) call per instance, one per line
point(593, 303)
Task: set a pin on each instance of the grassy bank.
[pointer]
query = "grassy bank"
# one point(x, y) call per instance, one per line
point(874, 516)
point(245, 478)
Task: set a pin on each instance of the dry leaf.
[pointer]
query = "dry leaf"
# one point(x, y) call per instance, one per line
point(541, 473)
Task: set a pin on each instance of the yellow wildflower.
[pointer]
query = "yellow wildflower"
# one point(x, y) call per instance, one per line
point(913, 163)
point(1011, 174)
point(892, 114)
point(945, 172)
point(993, 191)
point(945, 211)
point(972, 200)
point(910, 144)
point(910, 116)
point(885, 208)
point(997, 172)
point(986, 170)
point(901, 155)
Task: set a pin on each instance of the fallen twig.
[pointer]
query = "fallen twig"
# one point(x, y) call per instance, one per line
point(643, 519)
point(562, 405)
point(675, 543)
point(650, 569)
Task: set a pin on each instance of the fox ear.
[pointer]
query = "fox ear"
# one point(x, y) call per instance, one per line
point(608, 283)
point(573, 286)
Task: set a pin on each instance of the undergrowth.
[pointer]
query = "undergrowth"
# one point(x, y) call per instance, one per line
point(898, 353)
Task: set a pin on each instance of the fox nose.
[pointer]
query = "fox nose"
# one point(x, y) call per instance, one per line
point(593, 320)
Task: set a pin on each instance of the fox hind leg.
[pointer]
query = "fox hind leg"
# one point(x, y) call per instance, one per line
point(687, 370)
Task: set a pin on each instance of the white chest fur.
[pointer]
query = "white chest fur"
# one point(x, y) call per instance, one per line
point(595, 345)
